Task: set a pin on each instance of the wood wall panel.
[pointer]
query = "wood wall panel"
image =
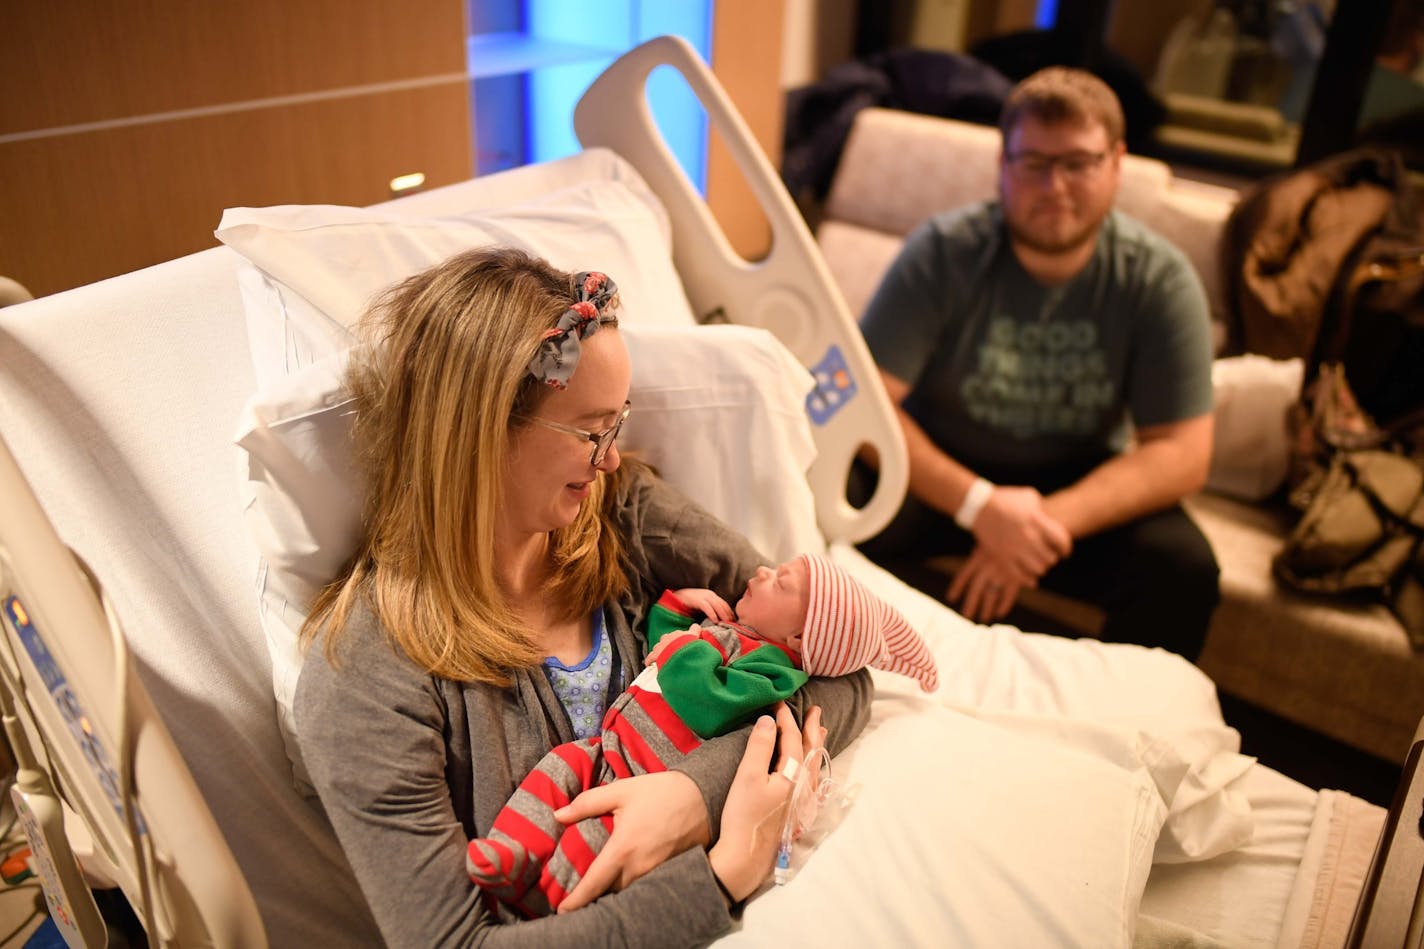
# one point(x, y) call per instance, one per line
point(746, 58)
point(1013, 15)
point(141, 186)
point(68, 61)
point(79, 208)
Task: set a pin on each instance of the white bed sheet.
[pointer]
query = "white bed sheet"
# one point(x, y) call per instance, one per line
point(1240, 899)
point(118, 401)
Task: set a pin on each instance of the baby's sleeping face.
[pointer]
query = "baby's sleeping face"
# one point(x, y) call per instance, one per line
point(776, 601)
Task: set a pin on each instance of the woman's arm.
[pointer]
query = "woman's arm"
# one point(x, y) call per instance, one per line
point(374, 733)
point(674, 543)
point(845, 706)
point(757, 800)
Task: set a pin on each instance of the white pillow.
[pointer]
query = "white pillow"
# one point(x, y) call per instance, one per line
point(319, 266)
point(965, 833)
point(1123, 700)
point(720, 410)
point(1250, 445)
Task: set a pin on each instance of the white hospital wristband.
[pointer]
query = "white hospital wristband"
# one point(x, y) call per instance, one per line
point(974, 500)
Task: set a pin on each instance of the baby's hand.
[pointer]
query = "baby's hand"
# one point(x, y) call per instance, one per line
point(711, 605)
point(664, 644)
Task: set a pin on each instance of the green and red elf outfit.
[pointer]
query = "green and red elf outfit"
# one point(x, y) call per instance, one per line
point(700, 687)
point(723, 678)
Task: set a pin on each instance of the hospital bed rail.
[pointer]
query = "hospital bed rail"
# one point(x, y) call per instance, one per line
point(87, 739)
point(849, 410)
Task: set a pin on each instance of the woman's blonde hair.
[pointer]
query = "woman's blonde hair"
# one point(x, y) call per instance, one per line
point(438, 384)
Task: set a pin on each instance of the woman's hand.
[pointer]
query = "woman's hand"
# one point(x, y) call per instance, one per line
point(655, 816)
point(756, 803)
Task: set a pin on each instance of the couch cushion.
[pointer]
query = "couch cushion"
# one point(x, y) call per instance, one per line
point(898, 168)
point(858, 257)
point(1341, 667)
point(1250, 450)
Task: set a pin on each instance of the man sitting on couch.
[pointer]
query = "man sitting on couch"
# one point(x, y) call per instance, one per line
point(1050, 360)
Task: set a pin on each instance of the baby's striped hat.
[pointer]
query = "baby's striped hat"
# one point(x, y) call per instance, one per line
point(848, 627)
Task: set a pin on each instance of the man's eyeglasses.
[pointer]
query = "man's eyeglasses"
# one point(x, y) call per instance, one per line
point(1076, 166)
point(602, 441)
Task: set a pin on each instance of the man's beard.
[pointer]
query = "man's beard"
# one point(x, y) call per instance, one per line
point(1054, 244)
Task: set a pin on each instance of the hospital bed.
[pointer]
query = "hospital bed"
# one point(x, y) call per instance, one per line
point(152, 575)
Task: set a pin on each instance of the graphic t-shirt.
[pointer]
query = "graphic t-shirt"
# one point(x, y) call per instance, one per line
point(1019, 381)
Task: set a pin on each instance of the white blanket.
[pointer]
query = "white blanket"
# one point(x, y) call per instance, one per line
point(1025, 797)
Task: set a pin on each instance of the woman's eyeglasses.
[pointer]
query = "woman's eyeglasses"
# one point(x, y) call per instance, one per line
point(1076, 166)
point(602, 441)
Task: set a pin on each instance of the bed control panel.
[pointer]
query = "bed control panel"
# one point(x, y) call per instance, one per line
point(37, 807)
point(835, 386)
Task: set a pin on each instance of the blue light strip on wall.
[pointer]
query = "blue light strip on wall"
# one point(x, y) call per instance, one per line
point(679, 116)
point(1047, 14)
point(615, 26)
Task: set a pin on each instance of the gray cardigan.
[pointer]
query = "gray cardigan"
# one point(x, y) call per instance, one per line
point(409, 766)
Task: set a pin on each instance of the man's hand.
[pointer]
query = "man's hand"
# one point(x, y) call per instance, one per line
point(1017, 531)
point(984, 588)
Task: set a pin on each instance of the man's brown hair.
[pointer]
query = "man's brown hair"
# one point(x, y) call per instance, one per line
point(1060, 94)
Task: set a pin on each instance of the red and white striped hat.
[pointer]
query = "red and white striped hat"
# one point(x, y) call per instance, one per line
point(848, 627)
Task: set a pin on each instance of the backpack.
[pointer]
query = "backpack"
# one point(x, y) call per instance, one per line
point(1362, 498)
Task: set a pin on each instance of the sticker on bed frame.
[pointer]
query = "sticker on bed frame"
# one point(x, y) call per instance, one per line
point(70, 708)
point(835, 386)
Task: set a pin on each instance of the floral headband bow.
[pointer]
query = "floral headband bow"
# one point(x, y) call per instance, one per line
point(558, 354)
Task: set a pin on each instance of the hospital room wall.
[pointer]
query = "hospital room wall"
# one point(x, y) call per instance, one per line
point(747, 49)
point(126, 128)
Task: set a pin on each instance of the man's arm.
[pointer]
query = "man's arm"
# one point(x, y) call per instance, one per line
point(1169, 462)
point(1170, 399)
point(935, 478)
point(1013, 525)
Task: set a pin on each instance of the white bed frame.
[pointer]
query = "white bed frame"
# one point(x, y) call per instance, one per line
point(94, 753)
point(88, 742)
point(775, 293)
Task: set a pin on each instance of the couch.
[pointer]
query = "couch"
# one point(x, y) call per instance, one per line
point(1344, 669)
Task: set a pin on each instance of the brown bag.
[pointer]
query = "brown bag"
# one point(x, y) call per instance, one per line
point(1362, 533)
point(1362, 525)
point(1327, 420)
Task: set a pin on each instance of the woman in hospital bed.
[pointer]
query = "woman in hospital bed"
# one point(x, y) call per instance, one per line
point(499, 543)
